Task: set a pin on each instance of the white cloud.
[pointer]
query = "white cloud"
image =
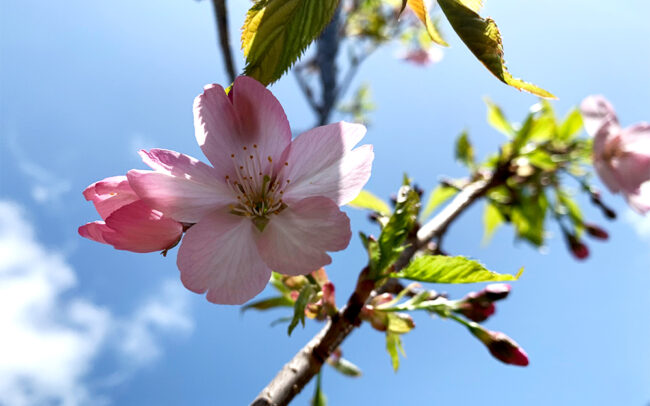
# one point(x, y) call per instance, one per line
point(46, 186)
point(48, 343)
point(641, 224)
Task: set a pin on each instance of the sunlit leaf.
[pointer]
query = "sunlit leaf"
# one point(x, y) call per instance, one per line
point(419, 8)
point(276, 33)
point(394, 347)
point(299, 308)
point(571, 125)
point(345, 367)
point(497, 119)
point(482, 37)
point(464, 150)
point(265, 304)
point(492, 219)
point(444, 269)
point(319, 398)
point(367, 200)
point(399, 323)
point(440, 194)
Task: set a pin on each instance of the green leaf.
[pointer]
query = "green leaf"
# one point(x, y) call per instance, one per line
point(276, 33)
point(482, 37)
point(497, 119)
point(345, 367)
point(265, 304)
point(492, 219)
point(542, 160)
point(571, 125)
point(464, 150)
point(299, 308)
point(396, 229)
point(528, 218)
point(419, 8)
point(399, 323)
point(319, 398)
point(367, 200)
point(394, 347)
point(440, 194)
point(444, 269)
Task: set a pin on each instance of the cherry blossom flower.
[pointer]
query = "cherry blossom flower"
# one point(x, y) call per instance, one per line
point(129, 224)
point(267, 202)
point(621, 155)
point(423, 57)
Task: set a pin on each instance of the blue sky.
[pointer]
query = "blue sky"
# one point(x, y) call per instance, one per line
point(84, 85)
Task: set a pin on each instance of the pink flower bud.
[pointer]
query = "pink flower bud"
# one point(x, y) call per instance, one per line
point(478, 306)
point(596, 232)
point(502, 347)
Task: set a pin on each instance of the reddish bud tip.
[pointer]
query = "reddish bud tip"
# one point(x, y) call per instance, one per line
point(577, 247)
point(477, 311)
point(506, 350)
point(596, 232)
point(496, 291)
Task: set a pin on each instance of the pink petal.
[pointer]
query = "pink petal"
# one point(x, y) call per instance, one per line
point(218, 255)
point(295, 241)
point(137, 228)
point(636, 139)
point(110, 194)
point(95, 231)
point(640, 200)
point(249, 116)
point(182, 187)
point(321, 162)
point(596, 110)
point(608, 175)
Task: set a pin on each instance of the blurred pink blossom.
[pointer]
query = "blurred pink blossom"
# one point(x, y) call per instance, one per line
point(423, 57)
point(621, 155)
point(129, 224)
point(267, 202)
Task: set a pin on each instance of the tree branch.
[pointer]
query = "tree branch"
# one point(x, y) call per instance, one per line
point(221, 15)
point(308, 361)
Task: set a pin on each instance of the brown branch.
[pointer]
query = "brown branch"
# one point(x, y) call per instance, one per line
point(221, 15)
point(308, 361)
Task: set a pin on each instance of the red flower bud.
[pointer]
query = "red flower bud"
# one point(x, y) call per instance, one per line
point(502, 347)
point(477, 311)
point(596, 232)
point(577, 247)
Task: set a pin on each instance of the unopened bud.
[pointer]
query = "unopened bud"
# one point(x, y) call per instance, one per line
point(596, 232)
point(476, 311)
point(577, 247)
point(496, 291)
point(478, 306)
point(502, 347)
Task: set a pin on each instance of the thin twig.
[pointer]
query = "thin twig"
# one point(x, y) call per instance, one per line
point(221, 15)
point(308, 361)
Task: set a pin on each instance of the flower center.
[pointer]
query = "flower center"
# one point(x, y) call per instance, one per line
point(257, 186)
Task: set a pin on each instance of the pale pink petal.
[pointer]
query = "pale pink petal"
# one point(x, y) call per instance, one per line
point(250, 117)
point(640, 200)
point(636, 139)
point(262, 119)
point(182, 187)
point(95, 231)
point(110, 194)
point(137, 228)
point(216, 127)
point(596, 110)
point(321, 162)
point(608, 175)
point(631, 170)
point(218, 255)
point(295, 241)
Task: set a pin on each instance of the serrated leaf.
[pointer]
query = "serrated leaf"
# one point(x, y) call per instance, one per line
point(346, 367)
point(276, 33)
point(497, 119)
point(419, 8)
point(394, 347)
point(444, 269)
point(440, 194)
point(396, 229)
point(464, 150)
point(571, 125)
point(265, 304)
point(492, 219)
point(482, 37)
point(367, 200)
point(303, 299)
